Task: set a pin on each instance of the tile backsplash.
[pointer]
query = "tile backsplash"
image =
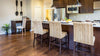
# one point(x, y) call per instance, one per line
point(86, 16)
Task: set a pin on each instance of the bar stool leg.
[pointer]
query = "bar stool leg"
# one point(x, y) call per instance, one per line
point(74, 49)
point(60, 46)
point(67, 42)
point(92, 51)
point(25, 31)
point(48, 38)
point(49, 43)
point(34, 41)
point(41, 41)
point(22, 32)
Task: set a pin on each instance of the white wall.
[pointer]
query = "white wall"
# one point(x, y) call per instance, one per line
point(86, 16)
point(7, 12)
point(28, 8)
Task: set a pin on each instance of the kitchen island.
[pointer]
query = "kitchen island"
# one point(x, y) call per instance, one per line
point(68, 27)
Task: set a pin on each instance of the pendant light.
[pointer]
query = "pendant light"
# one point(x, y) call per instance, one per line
point(78, 4)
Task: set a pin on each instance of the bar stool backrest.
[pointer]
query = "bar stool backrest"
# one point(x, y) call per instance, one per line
point(38, 29)
point(24, 23)
point(55, 29)
point(83, 32)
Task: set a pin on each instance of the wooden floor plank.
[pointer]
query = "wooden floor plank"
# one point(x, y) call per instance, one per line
point(18, 45)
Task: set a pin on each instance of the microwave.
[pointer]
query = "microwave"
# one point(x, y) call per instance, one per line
point(72, 9)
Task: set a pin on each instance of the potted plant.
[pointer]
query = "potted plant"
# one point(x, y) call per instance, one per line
point(6, 28)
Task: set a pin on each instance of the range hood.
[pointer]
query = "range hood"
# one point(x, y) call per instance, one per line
point(96, 5)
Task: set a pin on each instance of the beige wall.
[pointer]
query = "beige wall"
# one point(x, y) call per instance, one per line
point(48, 3)
point(39, 3)
point(7, 12)
point(34, 4)
point(42, 4)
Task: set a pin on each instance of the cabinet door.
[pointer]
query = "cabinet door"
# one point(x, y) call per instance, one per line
point(72, 2)
point(61, 3)
point(87, 6)
point(65, 3)
point(55, 2)
point(58, 3)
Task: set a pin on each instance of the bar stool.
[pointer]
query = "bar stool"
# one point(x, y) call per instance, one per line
point(38, 30)
point(56, 32)
point(83, 34)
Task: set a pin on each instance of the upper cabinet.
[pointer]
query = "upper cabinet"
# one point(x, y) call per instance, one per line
point(72, 2)
point(60, 3)
point(65, 2)
point(87, 5)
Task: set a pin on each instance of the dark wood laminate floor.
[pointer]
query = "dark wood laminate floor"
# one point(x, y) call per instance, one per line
point(18, 45)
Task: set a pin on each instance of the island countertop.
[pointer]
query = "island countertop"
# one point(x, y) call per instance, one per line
point(71, 24)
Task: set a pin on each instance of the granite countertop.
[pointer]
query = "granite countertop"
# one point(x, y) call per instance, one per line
point(64, 23)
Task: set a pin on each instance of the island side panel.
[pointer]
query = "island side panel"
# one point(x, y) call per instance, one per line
point(97, 40)
point(69, 30)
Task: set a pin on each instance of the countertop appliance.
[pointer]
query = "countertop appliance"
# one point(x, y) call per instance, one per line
point(72, 9)
point(97, 5)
